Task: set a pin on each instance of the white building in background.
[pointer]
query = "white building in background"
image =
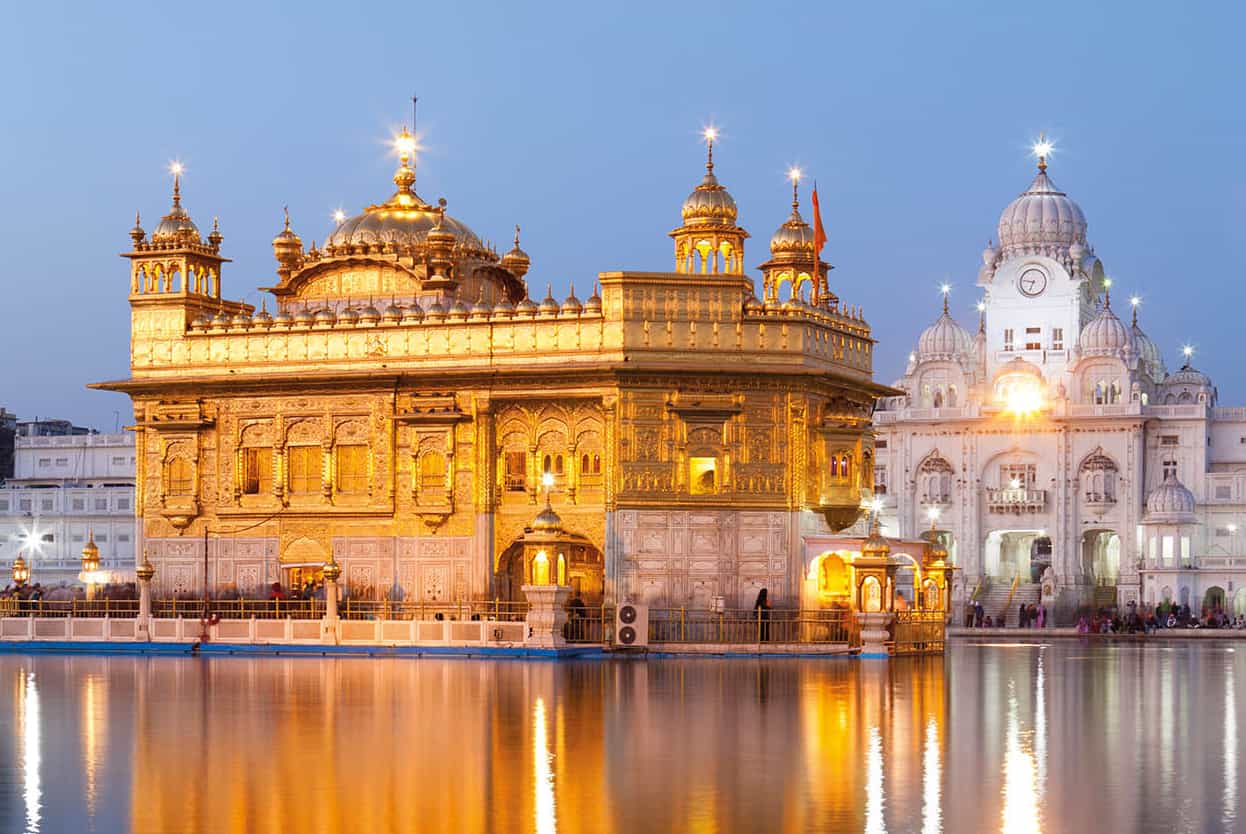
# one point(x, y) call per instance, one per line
point(62, 488)
point(1053, 444)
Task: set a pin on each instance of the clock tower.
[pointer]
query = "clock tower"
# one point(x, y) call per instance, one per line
point(1042, 283)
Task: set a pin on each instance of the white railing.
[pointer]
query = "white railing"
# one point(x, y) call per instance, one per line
point(1010, 500)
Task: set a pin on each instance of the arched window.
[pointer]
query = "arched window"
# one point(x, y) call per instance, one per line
point(938, 398)
point(935, 481)
point(432, 471)
point(303, 463)
point(351, 467)
point(180, 477)
point(547, 465)
point(596, 464)
point(951, 396)
point(584, 465)
point(557, 464)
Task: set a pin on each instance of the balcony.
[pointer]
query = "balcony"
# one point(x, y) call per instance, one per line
point(1019, 500)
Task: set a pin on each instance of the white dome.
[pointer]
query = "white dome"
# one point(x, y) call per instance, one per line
point(945, 339)
point(1149, 354)
point(1042, 219)
point(1105, 335)
point(1170, 500)
point(1188, 375)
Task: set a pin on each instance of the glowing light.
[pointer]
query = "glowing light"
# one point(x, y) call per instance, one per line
point(405, 143)
point(1134, 301)
point(710, 133)
point(1232, 528)
point(547, 480)
point(932, 514)
point(339, 216)
point(945, 288)
point(794, 174)
point(912, 357)
point(1023, 399)
point(1043, 148)
point(981, 306)
point(176, 168)
point(1107, 283)
point(1015, 483)
point(876, 505)
point(1187, 351)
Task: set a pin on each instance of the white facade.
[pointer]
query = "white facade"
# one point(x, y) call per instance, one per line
point(1055, 438)
point(62, 488)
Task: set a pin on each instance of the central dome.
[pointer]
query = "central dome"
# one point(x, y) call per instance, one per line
point(710, 204)
point(1171, 500)
point(1041, 219)
point(404, 220)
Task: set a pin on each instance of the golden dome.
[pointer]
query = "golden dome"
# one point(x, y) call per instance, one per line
point(176, 226)
point(516, 261)
point(710, 204)
point(794, 237)
point(404, 220)
point(547, 521)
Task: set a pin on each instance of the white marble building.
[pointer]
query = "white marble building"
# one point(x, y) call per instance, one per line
point(1054, 436)
point(63, 488)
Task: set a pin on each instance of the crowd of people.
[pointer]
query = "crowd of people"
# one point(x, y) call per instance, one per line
point(1148, 619)
point(1133, 619)
point(1032, 615)
point(37, 591)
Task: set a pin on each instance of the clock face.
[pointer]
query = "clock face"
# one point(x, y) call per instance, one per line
point(1033, 282)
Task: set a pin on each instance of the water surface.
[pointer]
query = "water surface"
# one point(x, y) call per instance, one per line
point(1059, 738)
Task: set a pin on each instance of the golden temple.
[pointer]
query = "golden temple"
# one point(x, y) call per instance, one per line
point(407, 408)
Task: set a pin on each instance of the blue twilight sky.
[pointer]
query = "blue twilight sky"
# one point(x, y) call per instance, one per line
point(581, 121)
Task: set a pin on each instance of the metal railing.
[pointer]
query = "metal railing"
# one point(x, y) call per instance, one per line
point(681, 625)
point(917, 632)
point(589, 625)
point(68, 608)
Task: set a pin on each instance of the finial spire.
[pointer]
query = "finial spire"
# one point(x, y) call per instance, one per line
point(138, 220)
point(1042, 149)
point(1134, 302)
point(793, 174)
point(1107, 293)
point(516, 235)
point(286, 211)
point(176, 169)
point(946, 289)
point(710, 134)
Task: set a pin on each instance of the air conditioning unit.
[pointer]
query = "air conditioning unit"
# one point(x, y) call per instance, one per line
point(631, 625)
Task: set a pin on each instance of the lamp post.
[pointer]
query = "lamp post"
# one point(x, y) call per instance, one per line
point(332, 572)
point(21, 572)
point(90, 564)
point(144, 573)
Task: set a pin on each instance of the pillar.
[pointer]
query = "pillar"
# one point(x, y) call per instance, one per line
point(329, 623)
point(142, 624)
point(547, 613)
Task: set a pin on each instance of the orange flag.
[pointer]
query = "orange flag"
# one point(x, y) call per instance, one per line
point(819, 234)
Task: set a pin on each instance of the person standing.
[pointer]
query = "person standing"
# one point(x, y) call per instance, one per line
point(761, 610)
point(1041, 615)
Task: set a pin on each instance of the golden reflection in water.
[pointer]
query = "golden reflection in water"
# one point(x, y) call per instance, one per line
point(874, 800)
point(542, 773)
point(1020, 777)
point(342, 745)
point(1230, 747)
point(94, 740)
point(28, 730)
point(932, 780)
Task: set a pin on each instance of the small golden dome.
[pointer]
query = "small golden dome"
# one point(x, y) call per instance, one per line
point(137, 234)
point(516, 261)
point(547, 521)
point(709, 204)
point(176, 226)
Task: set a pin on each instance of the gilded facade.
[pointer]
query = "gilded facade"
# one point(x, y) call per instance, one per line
point(402, 404)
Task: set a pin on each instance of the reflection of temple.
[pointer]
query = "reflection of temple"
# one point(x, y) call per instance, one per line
point(400, 397)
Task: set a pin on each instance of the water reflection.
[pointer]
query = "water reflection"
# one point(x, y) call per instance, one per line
point(29, 729)
point(337, 745)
